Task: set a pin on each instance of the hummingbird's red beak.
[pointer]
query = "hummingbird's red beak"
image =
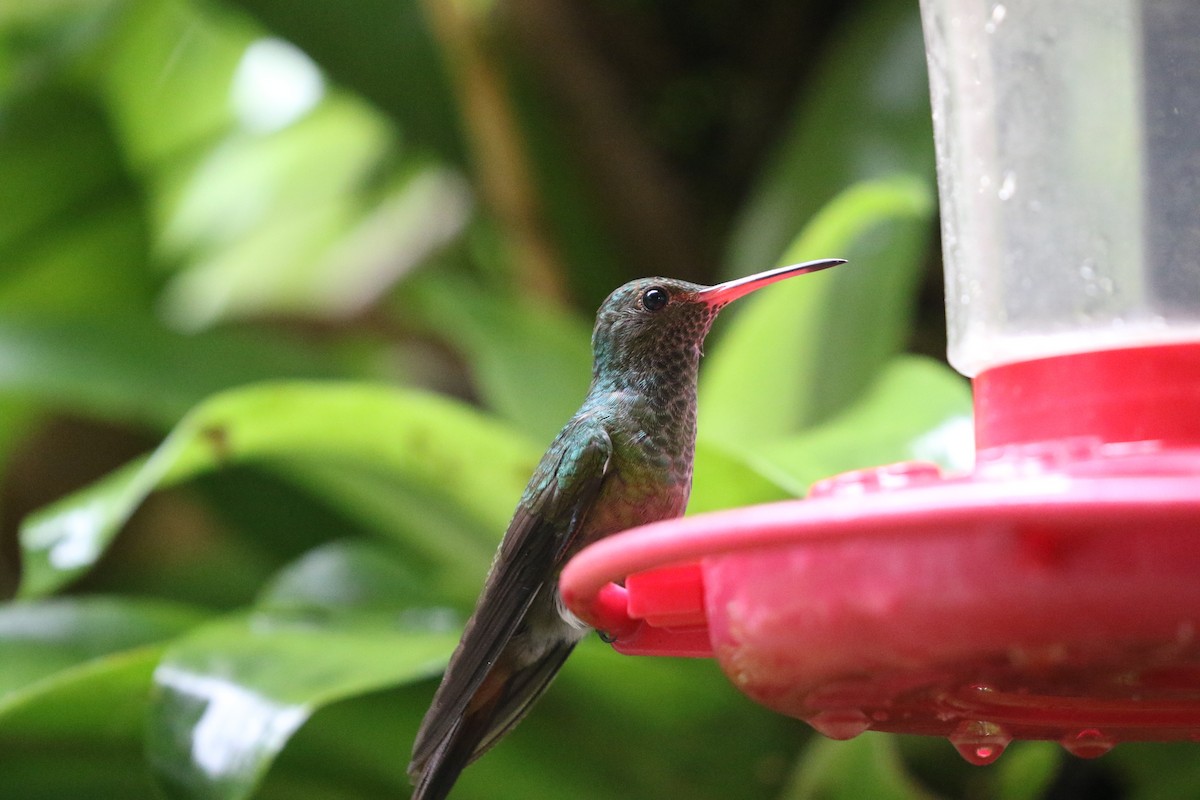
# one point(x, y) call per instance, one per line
point(729, 291)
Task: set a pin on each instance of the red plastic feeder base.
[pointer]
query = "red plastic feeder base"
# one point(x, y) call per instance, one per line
point(1051, 594)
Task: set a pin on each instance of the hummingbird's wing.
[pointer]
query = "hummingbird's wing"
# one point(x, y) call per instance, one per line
point(469, 710)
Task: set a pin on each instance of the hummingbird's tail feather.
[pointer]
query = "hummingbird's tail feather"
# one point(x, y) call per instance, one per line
point(525, 687)
point(502, 701)
point(435, 776)
point(518, 637)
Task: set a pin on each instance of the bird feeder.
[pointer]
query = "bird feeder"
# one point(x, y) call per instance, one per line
point(1052, 592)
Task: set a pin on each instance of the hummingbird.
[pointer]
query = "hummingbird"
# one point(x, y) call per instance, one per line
point(623, 460)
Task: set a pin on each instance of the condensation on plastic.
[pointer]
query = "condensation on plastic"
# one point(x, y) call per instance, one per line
point(1067, 139)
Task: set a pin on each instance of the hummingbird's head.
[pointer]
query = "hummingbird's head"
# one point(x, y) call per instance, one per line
point(651, 324)
point(657, 325)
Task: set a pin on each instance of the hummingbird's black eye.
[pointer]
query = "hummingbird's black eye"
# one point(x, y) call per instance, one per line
point(654, 298)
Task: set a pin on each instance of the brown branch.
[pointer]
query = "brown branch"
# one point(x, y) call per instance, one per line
point(501, 163)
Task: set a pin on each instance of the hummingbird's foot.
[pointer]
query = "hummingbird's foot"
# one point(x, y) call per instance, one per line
point(606, 637)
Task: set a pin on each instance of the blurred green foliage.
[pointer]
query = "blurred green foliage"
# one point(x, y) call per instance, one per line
point(292, 295)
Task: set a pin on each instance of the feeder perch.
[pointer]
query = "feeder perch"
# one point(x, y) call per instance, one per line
point(1052, 592)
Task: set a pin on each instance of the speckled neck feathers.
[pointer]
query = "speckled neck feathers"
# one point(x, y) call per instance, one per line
point(651, 352)
point(645, 368)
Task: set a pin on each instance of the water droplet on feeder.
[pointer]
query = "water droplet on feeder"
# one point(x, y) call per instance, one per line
point(842, 724)
point(980, 742)
point(1087, 743)
point(1008, 187)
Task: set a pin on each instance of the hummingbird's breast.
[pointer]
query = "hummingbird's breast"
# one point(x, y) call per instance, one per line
point(650, 478)
point(627, 502)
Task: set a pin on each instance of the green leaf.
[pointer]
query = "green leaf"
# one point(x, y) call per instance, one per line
point(231, 695)
point(802, 350)
point(35, 771)
point(331, 626)
point(95, 258)
point(72, 235)
point(727, 479)
point(531, 363)
point(17, 12)
point(1027, 770)
point(450, 546)
point(919, 409)
point(102, 699)
point(17, 417)
point(382, 49)
point(132, 368)
point(866, 117)
point(51, 137)
point(308, 220)
point(355, 749)
point(419, 439)
point(41, 641)
point(253, 180)
point(74, 687)
point(1154, 770)
point(866, 766)
point(164, 71)
point(343, 575)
